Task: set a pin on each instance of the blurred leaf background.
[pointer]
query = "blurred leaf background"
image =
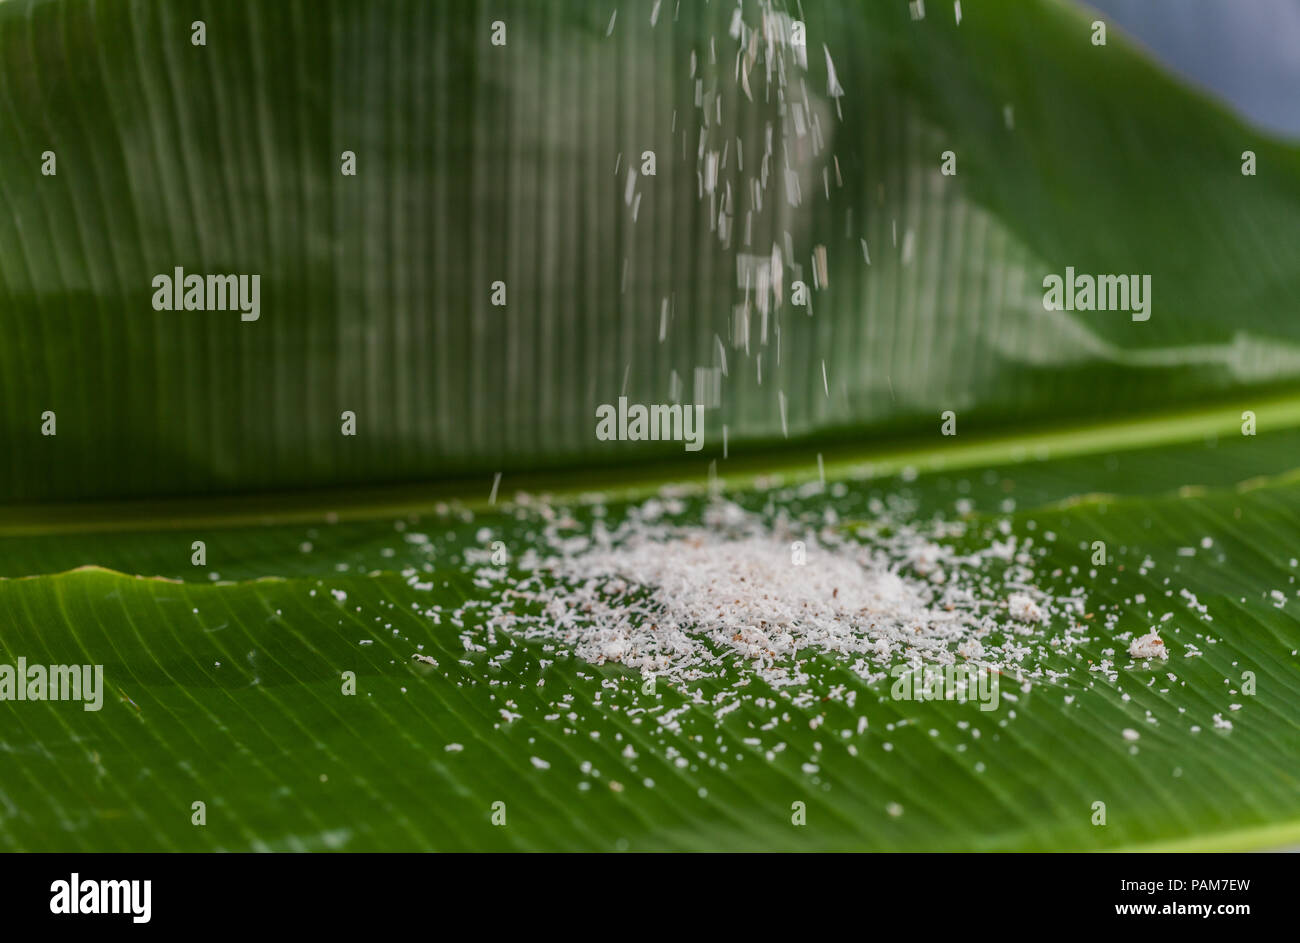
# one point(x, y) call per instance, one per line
point(479, 163)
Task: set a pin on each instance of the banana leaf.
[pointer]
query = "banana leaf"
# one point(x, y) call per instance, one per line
point(524, 164)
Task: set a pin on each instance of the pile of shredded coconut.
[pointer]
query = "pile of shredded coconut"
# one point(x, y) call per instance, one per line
point(685, 601)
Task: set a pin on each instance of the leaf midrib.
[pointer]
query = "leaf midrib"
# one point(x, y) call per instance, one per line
point(640, 481)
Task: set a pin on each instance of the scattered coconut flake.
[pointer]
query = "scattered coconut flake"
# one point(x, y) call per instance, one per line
point(1150, 645)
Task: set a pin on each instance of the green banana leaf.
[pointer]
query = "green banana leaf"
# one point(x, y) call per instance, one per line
point(226, 686)
point(225, 682)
